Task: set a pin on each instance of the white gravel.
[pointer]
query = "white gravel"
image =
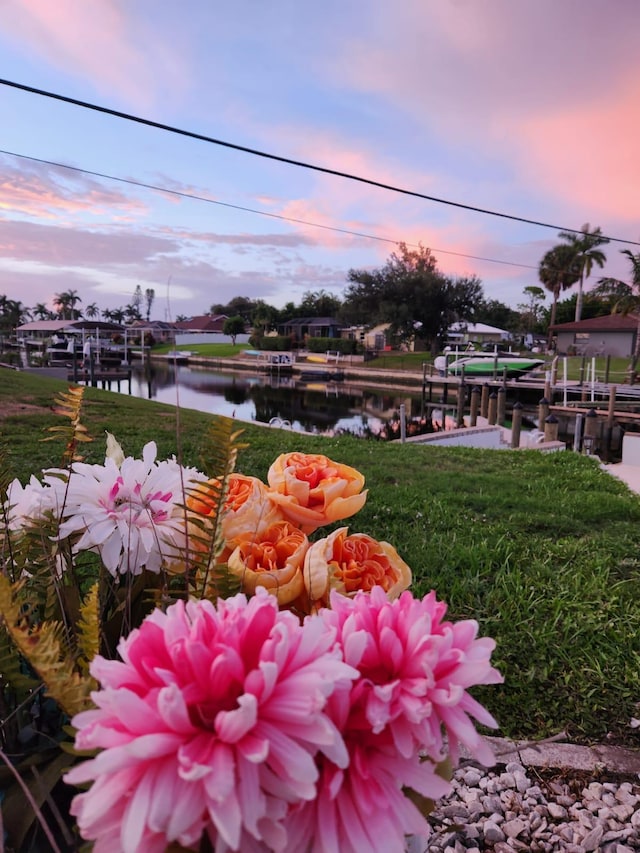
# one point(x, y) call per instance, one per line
point(513, 808)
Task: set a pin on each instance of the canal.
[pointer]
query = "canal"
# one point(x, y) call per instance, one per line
point(309, 406)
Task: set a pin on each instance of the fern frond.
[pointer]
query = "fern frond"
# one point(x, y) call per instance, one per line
point(69, 404)
point(12, 670)
point(43, 647)
point(89, 628)
point(220, 448)
point(218, 457)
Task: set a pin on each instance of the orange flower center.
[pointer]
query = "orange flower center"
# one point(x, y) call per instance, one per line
point(358, 566)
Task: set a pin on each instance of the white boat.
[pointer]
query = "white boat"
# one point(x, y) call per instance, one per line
point(490, 364)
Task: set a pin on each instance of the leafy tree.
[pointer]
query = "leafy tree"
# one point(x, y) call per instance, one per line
point(265, 317)
point(92, 310)
point(234, 326)
point(532, 310)
point(566, 309)
point(630, 301)
point(413, 296)
point(239, 306)
point(559, 270)
point(587, 254)
point(319, 303)
point(496, 313)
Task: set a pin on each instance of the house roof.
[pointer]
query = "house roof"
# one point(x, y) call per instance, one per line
point(204, 323)
point(68, 325)
point(311, 321)
point(607, 323)
point(477, 329)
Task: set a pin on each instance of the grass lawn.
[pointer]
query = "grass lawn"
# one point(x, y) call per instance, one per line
point(543, 550)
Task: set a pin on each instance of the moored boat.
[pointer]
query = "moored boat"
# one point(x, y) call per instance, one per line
point(489, 365)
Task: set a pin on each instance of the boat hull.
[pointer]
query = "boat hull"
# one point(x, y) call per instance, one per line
point(513, 367)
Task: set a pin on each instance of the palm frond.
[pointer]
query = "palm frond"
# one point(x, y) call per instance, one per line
point(69, 404)
point(43, 646)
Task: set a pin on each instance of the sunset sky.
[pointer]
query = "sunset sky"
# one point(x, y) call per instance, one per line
point(530, 108)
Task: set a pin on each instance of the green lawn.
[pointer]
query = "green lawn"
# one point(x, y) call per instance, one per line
point(543, 550)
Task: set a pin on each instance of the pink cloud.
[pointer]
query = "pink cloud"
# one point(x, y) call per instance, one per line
point(100, 41)
point(47, 192)
point(589, 154)
point(555, 82)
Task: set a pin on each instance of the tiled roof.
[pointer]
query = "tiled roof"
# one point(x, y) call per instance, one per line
point(608, 323)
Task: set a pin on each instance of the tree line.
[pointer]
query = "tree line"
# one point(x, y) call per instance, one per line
point(410, 294)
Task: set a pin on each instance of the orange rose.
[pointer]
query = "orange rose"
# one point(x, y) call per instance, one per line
point(247, 509)
point(273, 560)
point(351, 563)
point(312, 490)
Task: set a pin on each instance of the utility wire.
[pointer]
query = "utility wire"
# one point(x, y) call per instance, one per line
point(195, 197)
point(278, 158)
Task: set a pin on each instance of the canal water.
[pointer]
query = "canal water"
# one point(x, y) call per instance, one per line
point(320, 407)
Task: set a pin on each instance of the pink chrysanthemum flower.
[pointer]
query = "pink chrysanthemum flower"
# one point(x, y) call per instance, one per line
point(364, 806)
point(414, 672)
point(130, 512)
point(416, 669)
point(209, 724)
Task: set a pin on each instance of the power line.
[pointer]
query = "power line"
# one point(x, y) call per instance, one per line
point(278, 158)
point(207, 200)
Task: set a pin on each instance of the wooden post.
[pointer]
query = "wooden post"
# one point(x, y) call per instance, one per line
point(484, 401)
point(516, 425)
point(543, 412)
point(493, 408)
point(582, 366)
point(474, 405)
point(609, 423)
point(577, 432)
point(608, 429)
point(607, 366)
point(551, 428)
point(462, 393)
point(590, 432)
point(501, 413)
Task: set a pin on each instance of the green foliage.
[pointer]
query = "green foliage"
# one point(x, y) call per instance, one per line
point(411, 294)
point(275, 343)
point(234, 326)
point(341, 345)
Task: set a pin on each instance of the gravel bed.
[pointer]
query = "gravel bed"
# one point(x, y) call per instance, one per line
point(513, 808)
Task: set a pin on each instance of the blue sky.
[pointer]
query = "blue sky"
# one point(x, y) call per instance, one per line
point(528, 108)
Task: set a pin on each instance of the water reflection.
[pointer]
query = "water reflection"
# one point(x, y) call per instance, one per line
point(325, 407)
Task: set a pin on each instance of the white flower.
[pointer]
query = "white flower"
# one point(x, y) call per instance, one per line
point(131, 514)
point(30, 504)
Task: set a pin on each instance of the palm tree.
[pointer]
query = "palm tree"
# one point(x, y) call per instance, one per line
point(92, 310)
point(41, 312)
point(585, 245)
point(629, 303)
point(559, 270)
